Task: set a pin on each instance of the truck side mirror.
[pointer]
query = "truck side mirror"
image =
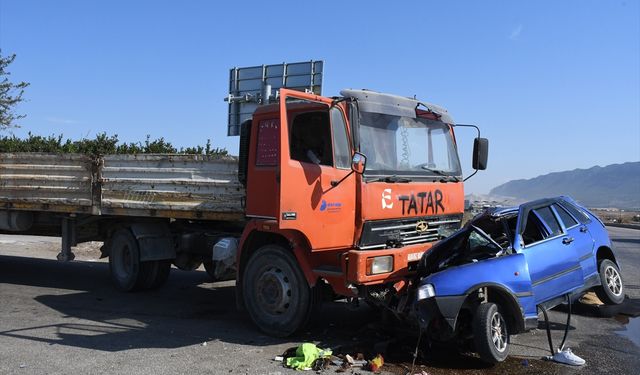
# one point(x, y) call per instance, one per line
point(480, 153)
point(358, 163)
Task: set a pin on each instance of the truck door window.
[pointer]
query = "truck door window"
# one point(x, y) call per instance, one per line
point(341, 151)
point(310, 140)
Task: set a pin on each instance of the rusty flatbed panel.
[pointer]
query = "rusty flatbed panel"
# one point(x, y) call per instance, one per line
point(57, 182)
point(187, 186)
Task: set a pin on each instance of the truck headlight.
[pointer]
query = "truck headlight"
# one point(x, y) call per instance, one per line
point(378, 265)
point(425, 291)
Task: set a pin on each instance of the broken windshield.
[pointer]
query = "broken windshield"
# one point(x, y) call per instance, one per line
point(405, 146)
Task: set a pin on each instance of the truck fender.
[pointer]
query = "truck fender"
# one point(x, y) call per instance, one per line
point(154, 240)
point(293, 239)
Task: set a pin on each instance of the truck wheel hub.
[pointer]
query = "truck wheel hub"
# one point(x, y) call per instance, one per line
point(274, 291)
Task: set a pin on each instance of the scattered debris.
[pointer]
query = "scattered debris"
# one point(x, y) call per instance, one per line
point(279, 358)
point(306, 356)
point(567, 357)
point(375, 364)
point(204, 343)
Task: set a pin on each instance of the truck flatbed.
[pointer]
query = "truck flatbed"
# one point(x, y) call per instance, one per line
point(196, 187)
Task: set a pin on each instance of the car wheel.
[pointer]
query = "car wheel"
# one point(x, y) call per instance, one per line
point(491, 335)
point(276, 293)
point(611, 290)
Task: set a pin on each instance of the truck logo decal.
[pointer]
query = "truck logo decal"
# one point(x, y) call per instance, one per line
point(422, 203)
point(421, 226)
point(386, 199)
point(330, 206)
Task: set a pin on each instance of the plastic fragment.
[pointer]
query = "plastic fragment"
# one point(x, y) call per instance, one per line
point(375, 364)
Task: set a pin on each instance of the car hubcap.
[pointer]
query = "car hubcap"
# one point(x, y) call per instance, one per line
point(614, 282)
point(274, 291)
point(499, 332)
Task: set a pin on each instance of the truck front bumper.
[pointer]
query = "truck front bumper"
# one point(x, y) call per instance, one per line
point(405, 261)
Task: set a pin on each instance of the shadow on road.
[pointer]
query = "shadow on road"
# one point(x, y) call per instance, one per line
point(188, 310)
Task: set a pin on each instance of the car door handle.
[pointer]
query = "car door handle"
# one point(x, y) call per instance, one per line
point(583, 229)
point(567, 240)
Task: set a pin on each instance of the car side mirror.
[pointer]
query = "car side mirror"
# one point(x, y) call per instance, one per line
point(358, 163)
point(480, 153)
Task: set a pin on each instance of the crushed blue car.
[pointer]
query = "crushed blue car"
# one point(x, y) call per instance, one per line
point(486, 281)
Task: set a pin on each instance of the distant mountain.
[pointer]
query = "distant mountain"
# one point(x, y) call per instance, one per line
point(616, 185)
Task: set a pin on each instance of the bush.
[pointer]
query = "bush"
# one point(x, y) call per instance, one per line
point(102, 144)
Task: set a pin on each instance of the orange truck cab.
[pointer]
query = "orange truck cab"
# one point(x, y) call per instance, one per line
point(343, 196)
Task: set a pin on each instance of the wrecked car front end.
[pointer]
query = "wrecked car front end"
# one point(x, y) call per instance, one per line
point(471, 270)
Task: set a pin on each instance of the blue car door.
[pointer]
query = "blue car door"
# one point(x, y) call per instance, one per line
point(582, 242)
point(553, 263)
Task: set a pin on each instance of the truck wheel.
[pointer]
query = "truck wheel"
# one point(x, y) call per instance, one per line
point(491, 337)
point(276, 293)
point(611, 290)
point(161, 273)
point(127, 272)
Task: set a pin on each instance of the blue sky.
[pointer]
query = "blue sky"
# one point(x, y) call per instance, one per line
point(554, 85)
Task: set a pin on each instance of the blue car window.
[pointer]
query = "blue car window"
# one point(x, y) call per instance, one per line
point(533, 232)
point(549, 219)
point(576, 212)
point(565, 217)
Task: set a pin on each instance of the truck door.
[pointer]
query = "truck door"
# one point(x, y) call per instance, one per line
point(553, 263)
point(317, 189)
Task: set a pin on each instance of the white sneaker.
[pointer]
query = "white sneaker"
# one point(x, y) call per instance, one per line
point(567, 357)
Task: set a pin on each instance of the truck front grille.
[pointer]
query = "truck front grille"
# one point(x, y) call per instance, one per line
point(379, 234)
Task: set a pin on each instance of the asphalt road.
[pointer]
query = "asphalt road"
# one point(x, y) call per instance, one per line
point(65, 318)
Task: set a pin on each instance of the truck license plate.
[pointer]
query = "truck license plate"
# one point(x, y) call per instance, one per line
point(414, 256)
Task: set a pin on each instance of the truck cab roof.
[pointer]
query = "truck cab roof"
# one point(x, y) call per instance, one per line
point(373, 101)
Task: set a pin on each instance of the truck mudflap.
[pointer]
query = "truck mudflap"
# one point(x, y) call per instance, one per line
point(405, 259)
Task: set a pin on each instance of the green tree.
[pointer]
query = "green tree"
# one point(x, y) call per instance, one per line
point(10, 94)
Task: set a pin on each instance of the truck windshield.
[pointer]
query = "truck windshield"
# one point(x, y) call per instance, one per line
point(407, 146)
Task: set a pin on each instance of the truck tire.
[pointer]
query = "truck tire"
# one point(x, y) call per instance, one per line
point(276, 293)
point(128, 273)
point(162, 270)
point(611, 290)
point(490, 333)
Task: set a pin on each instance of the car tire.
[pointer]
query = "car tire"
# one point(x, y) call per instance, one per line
point(276, 293)
point(491, 335)
point(611, 290)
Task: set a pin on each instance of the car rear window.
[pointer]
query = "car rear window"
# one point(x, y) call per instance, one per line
point(566, 219)
point(576, 212)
